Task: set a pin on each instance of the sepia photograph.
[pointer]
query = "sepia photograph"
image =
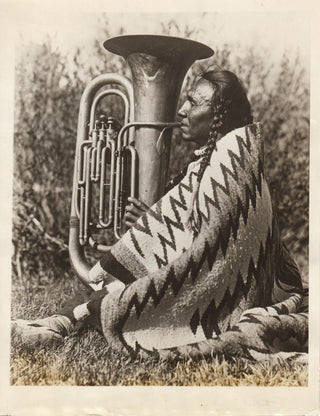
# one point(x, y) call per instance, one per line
point(161, 200)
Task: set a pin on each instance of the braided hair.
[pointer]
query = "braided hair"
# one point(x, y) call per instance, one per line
point(230, 110)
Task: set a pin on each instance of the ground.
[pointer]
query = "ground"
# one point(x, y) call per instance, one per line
point(84, 358)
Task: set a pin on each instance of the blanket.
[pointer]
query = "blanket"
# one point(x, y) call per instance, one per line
point(188, 288)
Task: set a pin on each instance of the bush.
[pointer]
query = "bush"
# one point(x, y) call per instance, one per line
point(45, 127)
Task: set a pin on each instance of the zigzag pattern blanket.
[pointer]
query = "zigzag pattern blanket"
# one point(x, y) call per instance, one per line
point(185, 287)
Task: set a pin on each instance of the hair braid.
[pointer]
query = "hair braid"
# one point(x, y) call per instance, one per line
point(193, 217)
point(216, 129)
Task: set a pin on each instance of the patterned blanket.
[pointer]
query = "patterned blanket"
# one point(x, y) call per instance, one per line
point(191, 291)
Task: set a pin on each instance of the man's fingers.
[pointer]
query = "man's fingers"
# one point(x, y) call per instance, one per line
point(139, 204)
point(129, 223)
point(134, 201)
point(128, 217)
point(134, 211)
point(130, 209)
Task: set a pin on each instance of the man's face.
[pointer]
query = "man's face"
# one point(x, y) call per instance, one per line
point(196, 113)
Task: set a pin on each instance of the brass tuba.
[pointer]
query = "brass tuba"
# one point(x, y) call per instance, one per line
point(114, 161)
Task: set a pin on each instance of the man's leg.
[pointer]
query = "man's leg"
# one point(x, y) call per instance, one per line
point(52, 328)
point(82, 309)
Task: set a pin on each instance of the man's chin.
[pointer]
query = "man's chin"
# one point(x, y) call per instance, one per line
point(186, 137)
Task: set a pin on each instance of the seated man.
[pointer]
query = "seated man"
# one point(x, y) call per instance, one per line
point(188, 272)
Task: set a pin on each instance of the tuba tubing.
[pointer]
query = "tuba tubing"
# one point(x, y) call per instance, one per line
point(76, 250)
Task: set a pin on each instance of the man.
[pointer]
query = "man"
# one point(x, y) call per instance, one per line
point(209, 250)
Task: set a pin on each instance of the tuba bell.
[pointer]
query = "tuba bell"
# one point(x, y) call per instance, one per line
point(115, 160)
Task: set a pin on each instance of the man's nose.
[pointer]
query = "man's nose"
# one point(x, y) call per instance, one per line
point(183, 110)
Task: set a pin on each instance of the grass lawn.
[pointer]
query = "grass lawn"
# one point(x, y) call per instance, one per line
point(84, 358)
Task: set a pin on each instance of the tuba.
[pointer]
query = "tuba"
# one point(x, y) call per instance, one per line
point(115, 160)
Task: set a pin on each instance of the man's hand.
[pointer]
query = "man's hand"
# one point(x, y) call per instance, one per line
point(97, 273)
point(134, 211)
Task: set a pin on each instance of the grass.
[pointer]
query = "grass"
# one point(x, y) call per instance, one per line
point(84, 359)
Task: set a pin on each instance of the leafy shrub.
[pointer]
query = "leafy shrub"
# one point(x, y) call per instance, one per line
point(45, 128)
